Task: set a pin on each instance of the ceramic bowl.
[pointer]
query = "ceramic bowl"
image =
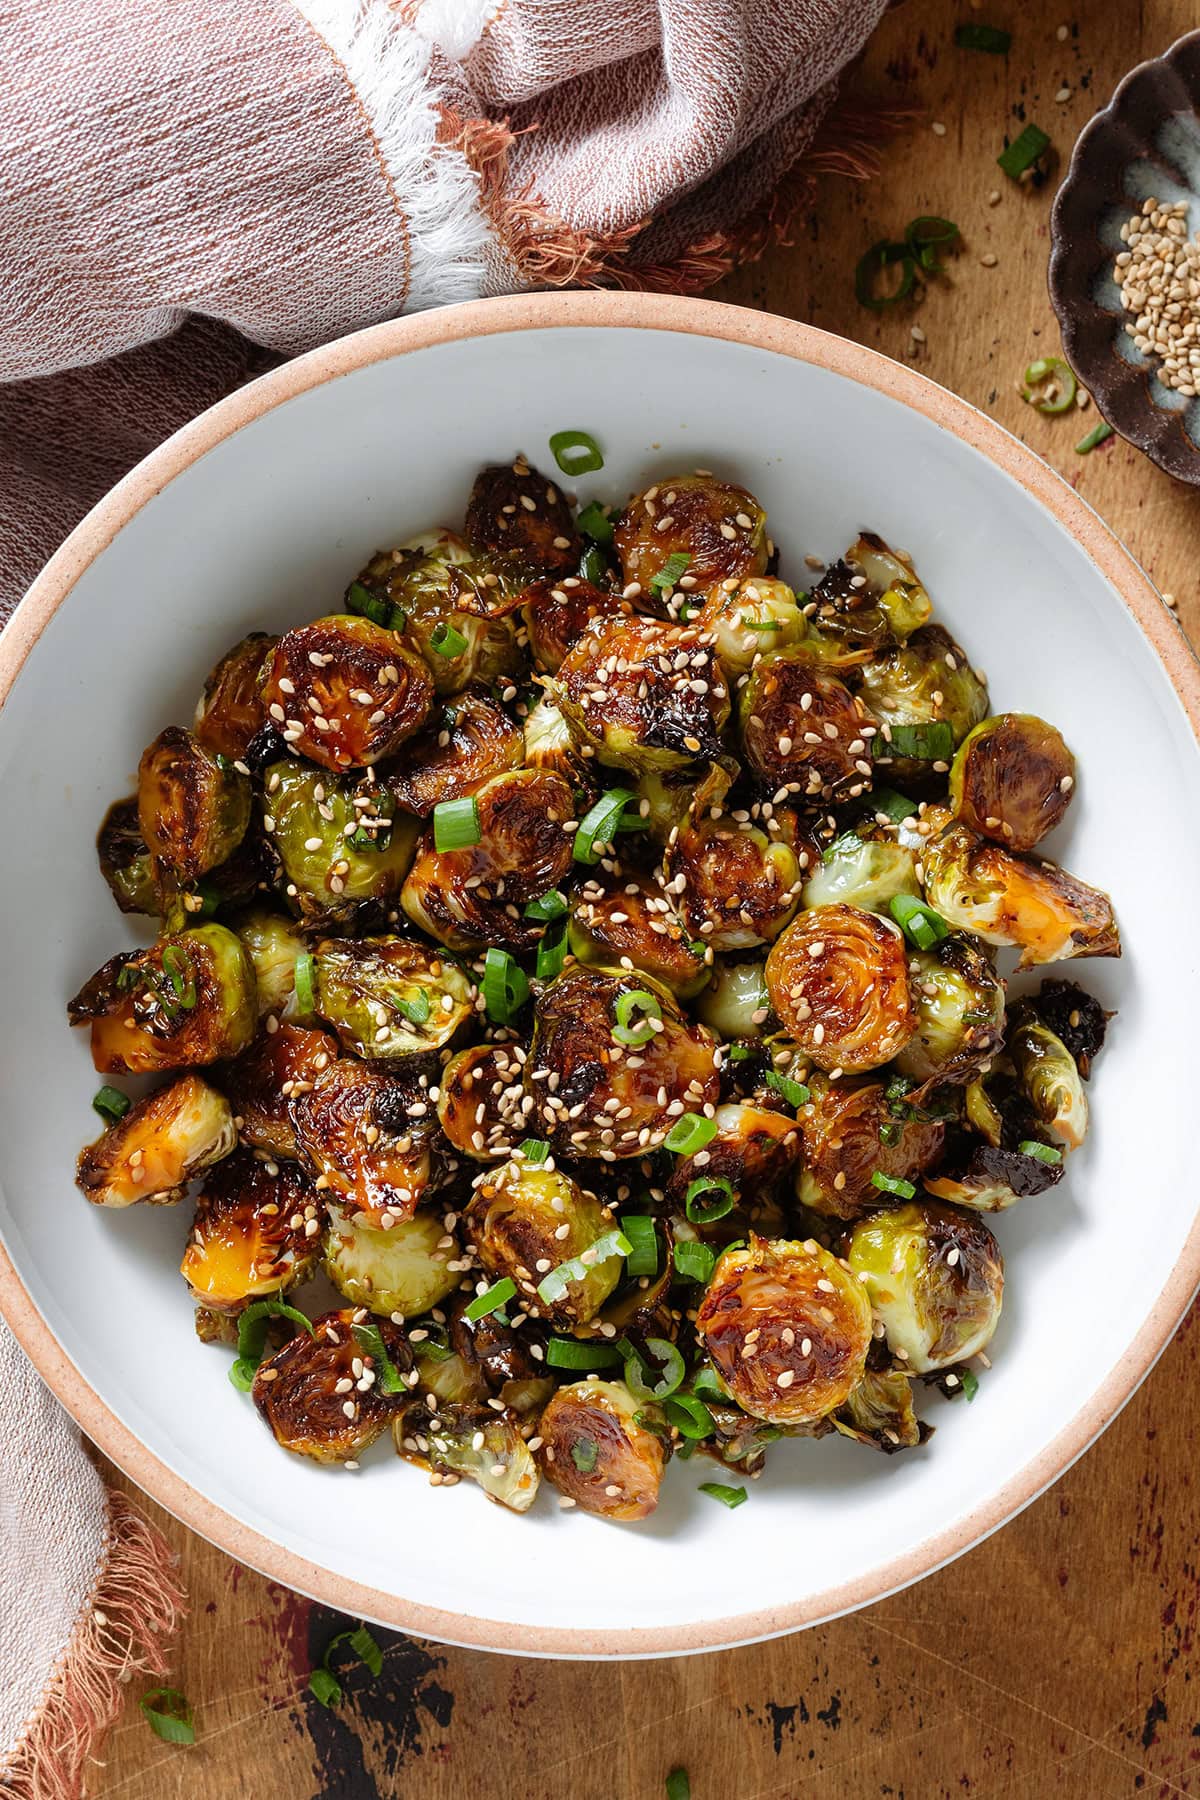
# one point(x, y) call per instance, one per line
point(1144, 144)
point(255, 516)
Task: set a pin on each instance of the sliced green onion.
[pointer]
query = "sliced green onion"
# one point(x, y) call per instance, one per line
point(1043, 1153)
point(933, 742)
point(643, 1238)
point(983, 37)
point(576, 452)
point(892, 1184)
point(584, 1455)
point(970, 1383)
point(690, 1417)
point(178, 970)
point(323, 1684)
point(1046, 369)
point(1097, 435)
point(678, 1785)
point(592, 566)
point(707, 1381)
point(926, 236)
point(252, 1337)
point(305, 984)
point(762, 624)
point(569, 1353)
point(879, 257)
point(672, 1371)
point(794, 1092)
point(890, 1133)
point(446, 639)
point(491, 1300)
point(456, 823)
point(367, 605)
point(325, 1687)
point(675, 566)
point(601, 822)
point(505, 986)
point(436, 1343)
point(111, 1103)
point(547, 906)
point(896, 806)
point(739, 1053)
point(701, 1211)
point(169, 1715)
point(552, 952)
point(553, 1286)
point(415, 1011)
point(1024, 151)
point(638, 1000)
point(689, 1134)
point(728, 1496)
point(388, 1379)
point(920, 924)
point(534, 1150)
point(595, 523)
point(695, 1262)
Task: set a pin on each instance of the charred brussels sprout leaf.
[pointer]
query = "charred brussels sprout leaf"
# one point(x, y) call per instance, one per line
point(864, 868)
point(390, 996)
point(959, 1002)
point(752, 618)
point(230, 711)
point(1076, 1017)
point(473, 1441)
point(261, 1083)
point(520, 520)
point(344, 692)
point(1048, 1076)
point(125, 860)
point(374, 1136)
point(863, 603)
point(272, 944)
point(804, 731)
point(335, 855)
point(406, 1269)
point(595, 1451)
point(838, 981)
point(1012, 780)
point(850, 1134)
point(892, 583)
point(618, 916)
point(714, 529)
point(186, 1001)
point(925, 682)
point(301, 1395)
point(991, 1178)
point(255, 1232)
point(468, 740)
point(935, 1278)
point(642, 696)
point(193, 809)
point(879, 1412)
point(557, 613)
point(513, 1222)
point(479, 1101)
point(160, 1143)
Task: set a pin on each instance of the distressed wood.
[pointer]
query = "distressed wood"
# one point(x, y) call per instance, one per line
point(1053, 1660)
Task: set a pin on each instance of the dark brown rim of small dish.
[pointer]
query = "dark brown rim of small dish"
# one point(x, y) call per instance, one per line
point(1123, 132)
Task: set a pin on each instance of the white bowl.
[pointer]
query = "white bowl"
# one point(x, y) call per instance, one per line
point(255, 516)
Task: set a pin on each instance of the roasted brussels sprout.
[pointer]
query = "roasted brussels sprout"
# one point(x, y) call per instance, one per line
point(879, 1412)
point(444, 596)
point(374, 1136)
point(1076, 1017)
point(804, 731)
point(849, 1133)
point(862, 868)
point(712, 529)
point(1009, 898)
point(959, 1002)
point(752, 1153)
point(628, 919)
point(549, 745)
point(926, 697)
point(162, 1141)
point(599, 1097)
point(736, 1004)
point(125, 860)
point(482, 1101)
point(838, 980)
point(193, 809)
point(390, 996)
point(465, 898)
point(521, 521)
point(272, 944)
point(596, 1453)
point(752, 618)
point(991, 1178)
point(186, 1001)
point(465, 1439)
point(1012, 780)
point(340, 841)
point(262, 1082)
point(230, 711)
point(642, 695)
point(345, 692)
point(737, 885)
point(557, 614)
point(867, 600)
point(516, 1221)
point(787, 1329)
point(935, 1279)
point(255, 1232)
point(314, 1398)
point(406, 1269)
point(1047, 1075)
point(468, 740)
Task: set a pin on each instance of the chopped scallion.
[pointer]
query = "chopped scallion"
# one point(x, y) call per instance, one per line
point(535, 1150)
point(1047, 372)
point(970, 1384)
point(931, 742)
point(505, 986)
point(552, 952)
point(643, 1238)
point(553, 1286)
point(1024, 151)
point(595, 523)
point(416, 1010)
point(881, 256)
point(989, 38)
point(491, 1300)
point(1097, 435)
point(169, 1715)
point(446, 639)
point(709, 1197)
point(388, 1378)
point(675, 566)
point(689, 1134)
point(794, 1092)
point(456, 823)
point(671, 1370)
point(629, 1030)
point(920, 924)
point(601, 823)
point(111, 1103)
point(306, 985)
point(1043, 1153)
point(569, 1353)
point(547, 906)
point(690, 1417)
point(576, 452)
point(728, 1496)
point(892, 1184)
point(695, 1262)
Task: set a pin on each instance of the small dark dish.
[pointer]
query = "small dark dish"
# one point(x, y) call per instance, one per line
point(1146, 142)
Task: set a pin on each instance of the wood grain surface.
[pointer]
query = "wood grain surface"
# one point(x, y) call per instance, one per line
point(1055, 1659)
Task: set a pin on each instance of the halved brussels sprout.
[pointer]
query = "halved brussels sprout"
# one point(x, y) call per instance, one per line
point(374, 1136)
point(445, 598)
point(256, 1232)
point(262, 1082)
point(719, 529)
point(465, 898)
point(406, 1269)
point(1005, 897)
point(272, 944)
point(891, 578)
point(803, 730)
point(1048, 1076)
point(864, 602)
point(753, 1151)
point(787, 1329)
point(125, 860)
point(520, 520)
point(838, 980)
point(1012, 780)
point(162, 1141)
point(314, 1399)
point(185, 1001)
point(599, 1097)
point(557, 614)
point(595, 1451)
point(879, 1412)
point(1076, 1017)
point(642, 695)
point(991, 1178)
point(549, 745)
point(935, 1279)
point(850, 1133)
point(751, 618)
point(959, 1001)
point(629, 916)
point(482, 1101)
point(230, 711)
point(339, 840)
point(515, 1222)
point(468, 740)
point(464, 1439)
point(736, 1004)
point(344, 692)
point(389, 996)
point(922, 684)
point(864, 868)
point(737, 885)
point(193, 809)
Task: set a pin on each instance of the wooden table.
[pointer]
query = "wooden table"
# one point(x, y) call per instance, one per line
point(1053, 1660)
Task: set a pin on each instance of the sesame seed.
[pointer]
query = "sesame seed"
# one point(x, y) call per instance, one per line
point(938, 129)
point(785, 1378)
